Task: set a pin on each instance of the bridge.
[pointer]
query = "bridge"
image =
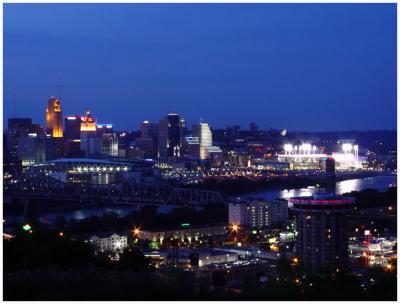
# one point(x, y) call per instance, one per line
point(132, 191)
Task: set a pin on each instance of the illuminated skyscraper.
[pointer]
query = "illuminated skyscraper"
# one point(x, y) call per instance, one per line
point(203, 132)
point(54, 118)
point(88, 130)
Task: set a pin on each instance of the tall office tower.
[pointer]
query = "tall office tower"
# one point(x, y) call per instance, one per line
point(163, 142)
point(104, 129)
point(145, 129)
point(169, 136)
point(72, 136)
point(109, 144)
point(203, 132)
point(88, 130)
point(54, 118)
point(174, 134)
point(16, 128)
point(35, 148)
point(321, 242)
point(183, 128)
point(72, 127)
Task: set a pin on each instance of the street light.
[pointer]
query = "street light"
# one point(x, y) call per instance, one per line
point(235, 228)
point(136, 231)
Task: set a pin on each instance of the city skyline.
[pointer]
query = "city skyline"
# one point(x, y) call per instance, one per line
point(223, 67)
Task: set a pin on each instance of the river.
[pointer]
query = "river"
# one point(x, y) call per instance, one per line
point(380, 183)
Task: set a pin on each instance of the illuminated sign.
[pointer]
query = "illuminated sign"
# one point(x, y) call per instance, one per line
point(27, 227)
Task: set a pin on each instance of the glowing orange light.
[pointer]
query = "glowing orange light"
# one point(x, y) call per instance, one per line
point(136, 231)
point(61, 234)
point(235, 227)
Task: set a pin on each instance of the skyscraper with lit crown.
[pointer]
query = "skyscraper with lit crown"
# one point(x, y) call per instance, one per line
point(88, 130)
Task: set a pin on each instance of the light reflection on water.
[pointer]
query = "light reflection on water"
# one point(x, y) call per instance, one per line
point(379, 183)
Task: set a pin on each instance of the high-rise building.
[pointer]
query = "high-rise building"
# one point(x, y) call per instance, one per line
point(104, 129)
point(54, 118)
point(203, 132)
point(72, 127)
point(35, 148)
point(88, 130)
point(258, 213)
point(109, 144)
point(174, 134)
point(169, 136)
point(163, 143)
point(17, 127)
point(145, 129)
point(321, 242)
point(72, 136)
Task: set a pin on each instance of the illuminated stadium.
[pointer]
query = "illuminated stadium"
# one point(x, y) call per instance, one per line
point(83, 165)
point(85, 170)
point(306, 156)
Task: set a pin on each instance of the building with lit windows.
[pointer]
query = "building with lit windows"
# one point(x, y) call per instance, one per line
point(258, 213)
point(17, 127)
point(54, 118)
point(185, 233)
point(35, 148)
point(202, 138)
point(109, 242)
point(109, 144)
point(322, 242)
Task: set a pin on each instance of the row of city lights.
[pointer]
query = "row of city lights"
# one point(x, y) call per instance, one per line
point(80, 169)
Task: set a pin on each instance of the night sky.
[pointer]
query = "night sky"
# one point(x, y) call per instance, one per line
point(296, 66)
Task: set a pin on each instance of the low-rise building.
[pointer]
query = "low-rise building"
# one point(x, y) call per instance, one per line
point(109, 242)
point(184, 233)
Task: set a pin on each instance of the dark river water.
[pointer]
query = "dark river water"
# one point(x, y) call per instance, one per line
point(380, 183)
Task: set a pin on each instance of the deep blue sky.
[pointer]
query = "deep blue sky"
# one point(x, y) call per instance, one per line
point(297, 66)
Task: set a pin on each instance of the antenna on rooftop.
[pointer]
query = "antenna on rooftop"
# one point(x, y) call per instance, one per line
point(15, 102)
point(59, 86)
